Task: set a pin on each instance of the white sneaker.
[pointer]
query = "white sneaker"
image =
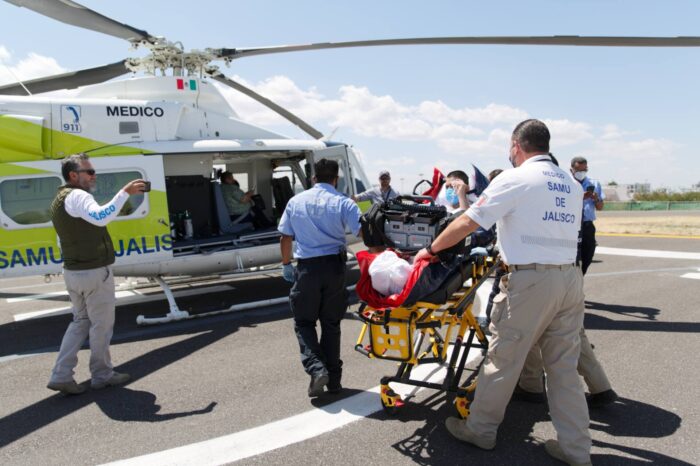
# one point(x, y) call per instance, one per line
point(552, 447)
point(116, 379)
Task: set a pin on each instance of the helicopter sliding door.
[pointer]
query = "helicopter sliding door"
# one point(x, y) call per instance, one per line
point(28, 242)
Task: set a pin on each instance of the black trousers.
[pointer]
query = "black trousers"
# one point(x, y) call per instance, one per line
point(319, 294)
point(587, 245)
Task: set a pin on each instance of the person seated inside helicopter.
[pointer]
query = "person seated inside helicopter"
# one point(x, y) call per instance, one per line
point(454, 194)
point(241, 206)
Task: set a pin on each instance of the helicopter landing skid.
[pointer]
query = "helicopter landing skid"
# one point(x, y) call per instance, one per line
point(174, 314)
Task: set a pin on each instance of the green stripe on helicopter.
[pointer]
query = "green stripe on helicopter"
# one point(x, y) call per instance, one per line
point(25, 141)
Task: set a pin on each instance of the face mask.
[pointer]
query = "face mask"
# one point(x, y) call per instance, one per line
point(580, 175)
point(451, 196)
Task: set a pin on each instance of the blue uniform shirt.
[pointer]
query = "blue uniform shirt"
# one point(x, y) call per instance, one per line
point(589, 204)
point(317, 219)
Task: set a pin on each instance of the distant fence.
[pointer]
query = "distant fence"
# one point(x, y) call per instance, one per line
point(652, 205)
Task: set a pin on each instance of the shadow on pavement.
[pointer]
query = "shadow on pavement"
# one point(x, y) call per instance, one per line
point(648, 313)
point(127, 405)
point(596, 322)
point(122, 403)
point(431, 444)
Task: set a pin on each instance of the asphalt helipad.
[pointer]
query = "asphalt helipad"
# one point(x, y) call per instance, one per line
point(231, 388)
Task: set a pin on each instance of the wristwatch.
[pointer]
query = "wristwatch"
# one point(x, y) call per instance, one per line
point(430, 250)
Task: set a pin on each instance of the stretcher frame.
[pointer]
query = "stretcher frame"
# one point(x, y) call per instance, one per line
point(422, 333)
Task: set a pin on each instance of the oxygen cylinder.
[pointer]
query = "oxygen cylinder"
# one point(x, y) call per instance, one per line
point(189, 230)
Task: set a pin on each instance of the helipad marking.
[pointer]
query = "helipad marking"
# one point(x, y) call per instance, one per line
point(279, 434)
point(125, 297)
point(633, 272)
point(648, 253)
point(649, 235)
point(32, 297)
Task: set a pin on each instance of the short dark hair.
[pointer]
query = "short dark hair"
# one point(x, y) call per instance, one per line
point(72, 164)
point(326, 170)
point(494, 174)
point(225, 175)
point(532, 135)
point(459, 174)
point(578, 159)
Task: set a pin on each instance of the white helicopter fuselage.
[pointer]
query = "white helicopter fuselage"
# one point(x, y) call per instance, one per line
point(172, 131)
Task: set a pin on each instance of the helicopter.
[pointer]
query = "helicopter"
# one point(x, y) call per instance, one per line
point(170, 125)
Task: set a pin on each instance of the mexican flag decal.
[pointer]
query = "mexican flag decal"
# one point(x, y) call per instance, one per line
point(183, 84)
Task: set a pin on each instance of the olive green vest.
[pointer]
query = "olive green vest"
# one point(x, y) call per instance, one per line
point(83, 245)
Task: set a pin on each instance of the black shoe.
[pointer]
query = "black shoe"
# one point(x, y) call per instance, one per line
point(334, 388)
point(316, 385)
point(598, 400)
point(528, 397)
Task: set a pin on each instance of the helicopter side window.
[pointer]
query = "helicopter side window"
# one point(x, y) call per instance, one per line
point(342, 180)
point(27, 201)
point(108, 184)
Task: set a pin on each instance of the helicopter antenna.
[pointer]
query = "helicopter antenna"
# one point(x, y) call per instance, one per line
point(329, 136)
point(15, 76)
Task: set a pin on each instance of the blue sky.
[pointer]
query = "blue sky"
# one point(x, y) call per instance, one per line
point(632, 112)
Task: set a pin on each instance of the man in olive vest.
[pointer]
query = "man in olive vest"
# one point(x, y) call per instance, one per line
point(88, 254)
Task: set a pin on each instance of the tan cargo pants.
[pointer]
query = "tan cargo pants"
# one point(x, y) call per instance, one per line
point(544, 306)
point(588, 366)
point(92, 296)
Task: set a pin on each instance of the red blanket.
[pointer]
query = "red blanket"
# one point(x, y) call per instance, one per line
point(373, 297)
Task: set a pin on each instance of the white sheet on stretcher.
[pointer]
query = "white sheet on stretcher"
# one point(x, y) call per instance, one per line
point(389, 273)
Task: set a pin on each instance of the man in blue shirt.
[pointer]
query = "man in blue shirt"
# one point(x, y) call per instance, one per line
point(317, 219)
point(592, 200)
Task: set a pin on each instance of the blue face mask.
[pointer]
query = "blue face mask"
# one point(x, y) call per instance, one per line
point(451, 196)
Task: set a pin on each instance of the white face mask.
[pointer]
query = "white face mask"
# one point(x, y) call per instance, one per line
point(580, 175)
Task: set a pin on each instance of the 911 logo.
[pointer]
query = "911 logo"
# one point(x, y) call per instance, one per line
point(70, 119)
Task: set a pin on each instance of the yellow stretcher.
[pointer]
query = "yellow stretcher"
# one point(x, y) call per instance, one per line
point(424, 332)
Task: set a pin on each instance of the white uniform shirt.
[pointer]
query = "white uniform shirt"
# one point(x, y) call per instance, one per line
point(81, 204)
point(537, 209)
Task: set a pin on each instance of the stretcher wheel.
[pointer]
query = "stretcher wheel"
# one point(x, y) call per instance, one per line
point(462, 404)
point(391, 401)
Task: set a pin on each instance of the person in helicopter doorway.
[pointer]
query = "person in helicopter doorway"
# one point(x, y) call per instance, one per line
point(241, 206)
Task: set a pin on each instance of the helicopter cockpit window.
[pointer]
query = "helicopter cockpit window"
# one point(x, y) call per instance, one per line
point(27, 201)
point(108, 184)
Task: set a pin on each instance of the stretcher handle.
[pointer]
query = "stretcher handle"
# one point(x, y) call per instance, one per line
point(416, 199)
point(361, 349)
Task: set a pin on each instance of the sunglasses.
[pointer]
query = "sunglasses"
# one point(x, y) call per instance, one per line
point(89, 171)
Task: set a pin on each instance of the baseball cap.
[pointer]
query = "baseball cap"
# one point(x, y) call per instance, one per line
point(384, 173)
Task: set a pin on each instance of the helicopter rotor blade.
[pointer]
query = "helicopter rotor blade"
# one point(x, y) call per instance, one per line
point(69, 80)
point(307, 128)
point(70, 12)
point(581, 41)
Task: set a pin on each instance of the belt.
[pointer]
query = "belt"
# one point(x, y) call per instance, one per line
point(328, 258)
point(539, 267)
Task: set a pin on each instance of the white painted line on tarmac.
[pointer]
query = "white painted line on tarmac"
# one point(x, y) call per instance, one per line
point(32, 297)
point(648, 253)
point(294, 429)
point(633, 272)
point(694, 275)
point(124, 298)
